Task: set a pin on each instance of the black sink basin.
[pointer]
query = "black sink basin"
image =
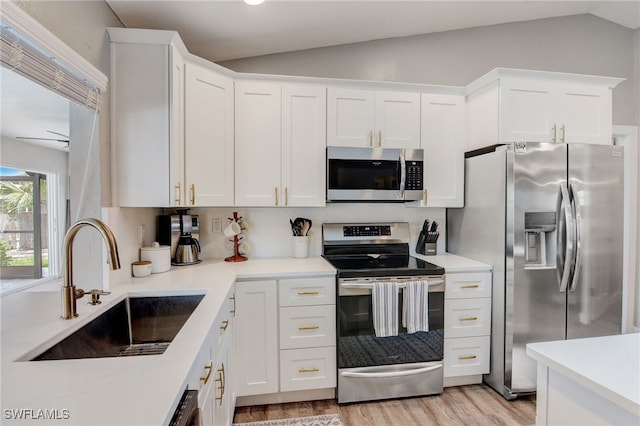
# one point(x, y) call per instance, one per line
point(136, 326)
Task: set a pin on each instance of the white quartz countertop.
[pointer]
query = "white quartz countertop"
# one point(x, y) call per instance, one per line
point(608, 366)
point(142, 390)
point(453, 263)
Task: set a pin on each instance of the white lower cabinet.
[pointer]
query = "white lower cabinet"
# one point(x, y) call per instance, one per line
point(212, 373)
point(467, 324)
point(285, 336)
point(256, 337)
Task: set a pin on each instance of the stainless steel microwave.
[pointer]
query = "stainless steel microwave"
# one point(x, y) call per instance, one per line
point(374, 174)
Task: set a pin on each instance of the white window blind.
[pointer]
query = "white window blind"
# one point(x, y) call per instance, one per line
point(21, 56)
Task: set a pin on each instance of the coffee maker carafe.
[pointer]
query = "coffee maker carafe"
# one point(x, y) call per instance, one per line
point(181, 231)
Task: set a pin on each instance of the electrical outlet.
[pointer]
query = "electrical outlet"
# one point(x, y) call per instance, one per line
point(216, 225)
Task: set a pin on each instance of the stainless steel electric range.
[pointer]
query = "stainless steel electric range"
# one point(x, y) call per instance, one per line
point(372, 367)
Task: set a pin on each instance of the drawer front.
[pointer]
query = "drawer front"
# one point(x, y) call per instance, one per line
point(307, 326)
point(302, 369)
point(467, 317)
point(462, 286)
point(307, 291)
point(466, 356)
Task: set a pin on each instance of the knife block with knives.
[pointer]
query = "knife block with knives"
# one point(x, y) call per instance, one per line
point(428, 238)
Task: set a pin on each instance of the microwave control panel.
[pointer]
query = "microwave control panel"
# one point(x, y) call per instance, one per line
point(414, 176)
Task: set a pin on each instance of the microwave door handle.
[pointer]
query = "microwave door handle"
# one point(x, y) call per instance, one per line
point(403, 174)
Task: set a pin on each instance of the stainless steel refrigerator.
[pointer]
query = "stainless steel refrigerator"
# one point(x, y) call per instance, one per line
point(549, 218)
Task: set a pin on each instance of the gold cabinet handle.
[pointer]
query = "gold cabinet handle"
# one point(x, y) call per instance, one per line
point(553, 129)
point(193, 194)
point(221, 380)
point(177, 193)
point(468, 318)
point(276, 188)
point(562, 134)
point(224, 325)
point(463, 357)
point(205, 377)
point(371, 138)
point(469, 286)
point(286, 196)
point(425, 195)
point(308, 293)
point(379, 138)
point(308, 370)
point(308, 327)
point(233, 310)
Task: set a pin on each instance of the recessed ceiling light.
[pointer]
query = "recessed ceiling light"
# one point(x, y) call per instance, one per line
point(254, 2)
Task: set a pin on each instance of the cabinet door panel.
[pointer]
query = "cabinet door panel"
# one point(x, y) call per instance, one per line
point(586, 114)
point(257, 148)
point(307, 291)
point(528, 111)
point(443, 141)
point(256, 338)
point(350, 117)
point(304, 129)
point(397, 120)
point(143, 138)
point(208, 137)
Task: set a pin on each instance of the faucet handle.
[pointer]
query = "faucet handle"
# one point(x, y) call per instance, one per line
point(95, 296)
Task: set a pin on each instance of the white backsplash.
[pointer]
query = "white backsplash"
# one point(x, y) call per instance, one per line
point(269, 231)
point(125, 224)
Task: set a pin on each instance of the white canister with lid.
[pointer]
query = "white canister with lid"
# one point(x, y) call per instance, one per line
point(160, 257)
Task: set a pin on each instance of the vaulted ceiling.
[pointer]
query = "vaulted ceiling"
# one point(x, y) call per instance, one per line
point(220, 30)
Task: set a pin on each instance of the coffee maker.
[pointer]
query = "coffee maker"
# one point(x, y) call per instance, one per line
point(181, 231)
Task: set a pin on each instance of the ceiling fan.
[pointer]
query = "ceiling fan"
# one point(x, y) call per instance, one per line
point(64, 138)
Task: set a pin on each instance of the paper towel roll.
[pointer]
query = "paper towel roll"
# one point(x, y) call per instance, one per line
point(160, 258)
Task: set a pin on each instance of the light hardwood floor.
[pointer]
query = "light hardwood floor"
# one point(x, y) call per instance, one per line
point(462, 405)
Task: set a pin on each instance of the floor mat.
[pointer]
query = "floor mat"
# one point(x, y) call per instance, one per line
point(325, 420)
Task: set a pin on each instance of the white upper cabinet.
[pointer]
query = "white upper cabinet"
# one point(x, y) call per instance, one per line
point(258, 133)
point(443, 142)
point(516, 105)
point(374, 119)
point(209, 160)
point(304, 142)
point(280, 144)
point(147, 128)
point(172, 124)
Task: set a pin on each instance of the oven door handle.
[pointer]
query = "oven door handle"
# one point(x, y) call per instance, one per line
point(369, 285)
point(390, 373)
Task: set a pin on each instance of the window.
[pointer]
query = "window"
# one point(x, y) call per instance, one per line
point(24, 228)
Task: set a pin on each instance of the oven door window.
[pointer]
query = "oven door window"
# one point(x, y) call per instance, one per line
point(359, 347)
point(364, 174)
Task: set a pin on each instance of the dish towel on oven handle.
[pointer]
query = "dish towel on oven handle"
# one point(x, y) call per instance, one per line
point(415, 306)
point(384, 301)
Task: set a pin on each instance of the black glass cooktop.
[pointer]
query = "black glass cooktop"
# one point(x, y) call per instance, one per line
point(371, 265)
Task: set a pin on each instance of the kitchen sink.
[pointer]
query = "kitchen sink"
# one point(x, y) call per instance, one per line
point(133, 327)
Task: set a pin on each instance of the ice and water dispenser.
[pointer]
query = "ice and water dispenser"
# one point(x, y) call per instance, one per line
point(540, 239)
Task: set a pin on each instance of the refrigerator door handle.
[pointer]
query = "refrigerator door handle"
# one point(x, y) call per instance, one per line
point(565, 243)
point(575, 206)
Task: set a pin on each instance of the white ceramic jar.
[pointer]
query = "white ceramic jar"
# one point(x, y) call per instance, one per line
point(160, 257)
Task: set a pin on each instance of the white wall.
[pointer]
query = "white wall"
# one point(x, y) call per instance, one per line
point(581, 44)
